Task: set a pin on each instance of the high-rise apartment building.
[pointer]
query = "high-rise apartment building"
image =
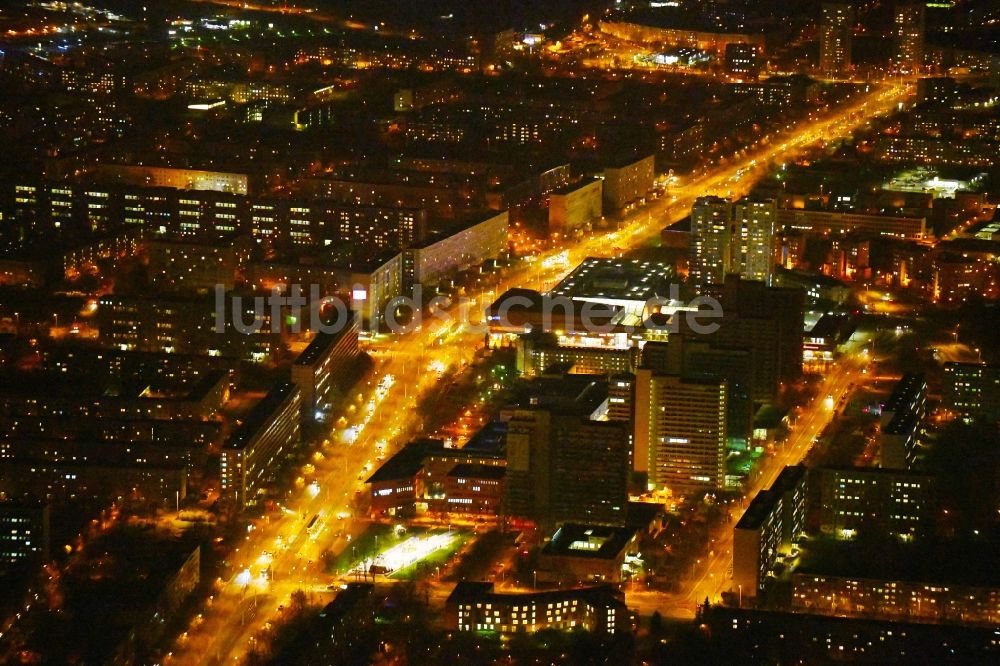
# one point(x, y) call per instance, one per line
point(680, 431)
point(711, 218)
point(752, 245)
point(729, 237)
point(909, 31)
point(835, 27)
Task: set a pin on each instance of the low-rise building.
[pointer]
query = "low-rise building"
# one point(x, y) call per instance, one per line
point(475, 606)
point(586, 553)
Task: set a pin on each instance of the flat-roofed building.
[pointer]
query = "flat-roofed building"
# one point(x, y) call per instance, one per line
point(767, 529)
point(572, 207)
point(326, 366)
point(628, 181)
point(972, 389)
point(253, 454)
point(24, 533)
point(200, 265)
point(563, 466)
point(475, 606)
point(680, 431)
point(586, 553)
point(455, 249)
point(875, 501)
point(901, 420)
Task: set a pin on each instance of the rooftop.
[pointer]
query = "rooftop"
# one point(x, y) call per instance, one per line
point(407, 461)
point(477, 471)
point(590, 541)
point(473, 591)
point(260, 414)
point(619, 281)
point(760, 508)
point(322, 342)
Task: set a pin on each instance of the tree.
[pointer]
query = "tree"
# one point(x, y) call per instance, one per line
point(656, 624)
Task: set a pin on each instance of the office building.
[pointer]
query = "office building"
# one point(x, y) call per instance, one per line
point(768, 321)
point(909, 32)
point(427, 478)
point(828, 222)
point(972, 390)
point(474, 606)
point(694, 358)
point(901, 420)
point(255, 452)
point(835, 28)
point(325, 367)
point(680, 432)
point(711, 236)
point(874, 500)
point(586, 554)
point(564, 467)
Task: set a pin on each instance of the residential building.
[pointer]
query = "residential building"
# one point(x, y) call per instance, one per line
point(326, 367)
point(767, 530)
point(836, 26)
point(901, 420)
point(474, 606)
point(680, 431)
point(626, 182)
point(24, 533)
point(874, 500)
point(709, 260)
point(753, 241)
point(972, 390)
point(255, 452)
point(572, 207)
point(910, 19)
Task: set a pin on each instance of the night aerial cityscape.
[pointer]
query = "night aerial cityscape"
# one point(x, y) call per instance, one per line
point(419, 332)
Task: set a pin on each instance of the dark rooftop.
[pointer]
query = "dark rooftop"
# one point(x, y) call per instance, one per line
point(590, 541)
point(322, 342)
point(260, 414)
point(407, 462)
point(761, 506)
point(477, 471)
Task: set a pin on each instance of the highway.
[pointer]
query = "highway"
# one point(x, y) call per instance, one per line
point(248, 601)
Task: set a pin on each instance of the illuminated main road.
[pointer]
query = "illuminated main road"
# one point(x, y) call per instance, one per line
point(247, 602)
